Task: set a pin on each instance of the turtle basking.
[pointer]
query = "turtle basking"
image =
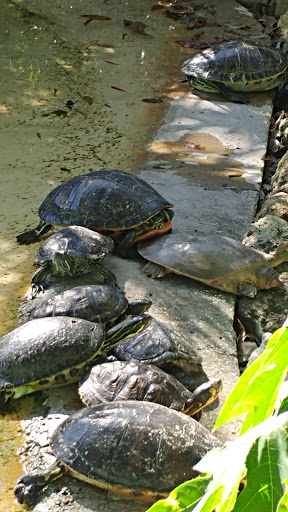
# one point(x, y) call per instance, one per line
point(139, 450)
point(110, 201)
point(236, 67)
point(159, 346)
point(70, 252)
point(48, 352)
point(216, 260)
point(130, 380)
point(96, 303)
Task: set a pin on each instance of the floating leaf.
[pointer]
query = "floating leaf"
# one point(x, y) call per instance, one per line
point(110, 62)
point(65, 169)
point(38, 135)
point(118, 88)
point(152, 100)
point(55, 92)
point(105, 45)
point(97, 17)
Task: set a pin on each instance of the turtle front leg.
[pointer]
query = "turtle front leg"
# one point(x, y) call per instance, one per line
point(232, 95)
point(29, 237)
point(126, 248)
point(28, 486)
point(155, 271)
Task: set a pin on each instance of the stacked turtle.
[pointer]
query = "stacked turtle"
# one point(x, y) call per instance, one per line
point(90, 319)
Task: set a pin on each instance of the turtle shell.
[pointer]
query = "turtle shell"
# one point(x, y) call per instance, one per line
point(96, 303)
point(136, 449)
point(130, 380)
point(201, 257)
point(241, 65)
point(75, 242)
point(159, 345)
point(106, 199)
point(46, 352)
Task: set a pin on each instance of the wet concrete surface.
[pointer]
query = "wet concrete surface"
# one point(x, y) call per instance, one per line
point(49, 57)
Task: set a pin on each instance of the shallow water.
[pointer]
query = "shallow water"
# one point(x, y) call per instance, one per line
point(49, 57)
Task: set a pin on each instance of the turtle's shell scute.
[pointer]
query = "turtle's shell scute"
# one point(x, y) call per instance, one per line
point(44, 347)
point(200, 256)
point(104, 199)
point(139, 447)
point(76, 242)
point(238, 62)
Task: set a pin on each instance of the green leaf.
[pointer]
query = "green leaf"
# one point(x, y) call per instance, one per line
point(183, 496)
point(267, 470)
point(283, 503)
point(255, 393)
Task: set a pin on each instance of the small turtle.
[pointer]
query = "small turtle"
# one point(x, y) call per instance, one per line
point(70, 252)
point(159, 346)
point(129, 380)
point(110, 201)
point(139, 450)
point(216, 260)
point(49, 352)
point(97, 303)
point(235, 67)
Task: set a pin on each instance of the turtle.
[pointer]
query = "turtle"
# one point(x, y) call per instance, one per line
point(216, 260)
point(139, 450)
point(70, 252)
point(113, 202)
point(130, 380)
point(159, 346)
point(53, 351)
point(235, 67)
point(96, 303)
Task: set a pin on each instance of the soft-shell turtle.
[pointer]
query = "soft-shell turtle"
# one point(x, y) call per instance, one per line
point(97, 303)
point(138, 450)
point(236, 66)
point(110, 201)
point(70, 252)
point(159, 345)
point(48, 352)
point(122, 380)
point(216, 260)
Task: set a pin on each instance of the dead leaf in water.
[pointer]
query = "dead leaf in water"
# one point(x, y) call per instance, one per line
point(38, 135)
point(153, 100)
point(64, 169)
point(110, 62)
point(136, 26)
point(117, 88)
point(91, 17)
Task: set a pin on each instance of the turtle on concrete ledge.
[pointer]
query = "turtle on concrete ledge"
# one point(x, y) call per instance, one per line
point(216, 260)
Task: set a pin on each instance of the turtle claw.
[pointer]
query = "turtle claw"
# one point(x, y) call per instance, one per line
point(28, 237)
point(25, 494)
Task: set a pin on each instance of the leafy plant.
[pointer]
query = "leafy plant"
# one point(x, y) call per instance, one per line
point(250, 473)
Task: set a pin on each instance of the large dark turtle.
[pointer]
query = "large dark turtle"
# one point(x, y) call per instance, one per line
point(136, 449)
point(110, 201)
point(129, 380)
point(70, 252)
point(97, 303)
point(49, 352)
point(235, 67)
point(159, 345)
point(216, 260)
